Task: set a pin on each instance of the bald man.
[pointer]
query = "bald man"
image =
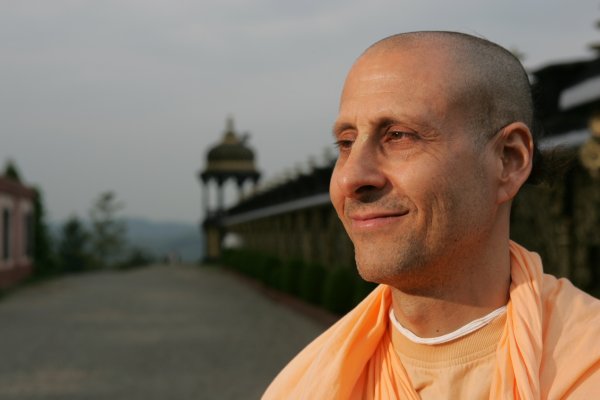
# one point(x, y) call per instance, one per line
point(435, 140)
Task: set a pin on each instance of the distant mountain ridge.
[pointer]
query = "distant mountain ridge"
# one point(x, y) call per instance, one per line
point(159, 238)
point(162, 238)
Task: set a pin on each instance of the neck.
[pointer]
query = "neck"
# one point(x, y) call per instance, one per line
point(466, 289)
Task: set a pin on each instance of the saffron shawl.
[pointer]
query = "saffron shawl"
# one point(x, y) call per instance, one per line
point(550, 347)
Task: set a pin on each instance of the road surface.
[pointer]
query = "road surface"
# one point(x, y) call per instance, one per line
point(161, 332)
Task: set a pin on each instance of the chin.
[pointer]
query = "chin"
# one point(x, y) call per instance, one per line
point(394, 267)
point(380, 271)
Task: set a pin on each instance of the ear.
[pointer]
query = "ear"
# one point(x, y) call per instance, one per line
point(514, 148)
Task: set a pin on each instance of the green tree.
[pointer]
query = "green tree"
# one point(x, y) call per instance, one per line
point(12, 172)
point(136, 258)
point(43, 255)
point(73, 250)
point(107, 231)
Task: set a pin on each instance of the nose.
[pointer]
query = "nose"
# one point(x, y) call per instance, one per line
point(359, 174)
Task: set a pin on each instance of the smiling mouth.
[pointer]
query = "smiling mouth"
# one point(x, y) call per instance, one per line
point(367, 221)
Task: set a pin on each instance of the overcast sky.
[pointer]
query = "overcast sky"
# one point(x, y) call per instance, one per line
point(128, 95)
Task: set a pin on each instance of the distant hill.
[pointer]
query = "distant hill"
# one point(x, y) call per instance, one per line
point(159, 238)
point(163, 238)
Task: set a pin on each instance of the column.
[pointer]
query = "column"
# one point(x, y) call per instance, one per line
point(220, 197)
point(205, 199)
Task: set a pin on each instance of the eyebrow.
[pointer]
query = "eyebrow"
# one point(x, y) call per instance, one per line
point(379, 124)
point(339, 127)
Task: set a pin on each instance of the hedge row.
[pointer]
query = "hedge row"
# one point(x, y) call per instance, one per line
point(337, 289)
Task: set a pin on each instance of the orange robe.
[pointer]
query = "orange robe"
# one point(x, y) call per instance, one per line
point(549, 349)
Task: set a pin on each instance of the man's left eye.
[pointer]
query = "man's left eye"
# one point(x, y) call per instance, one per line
point(397, 135)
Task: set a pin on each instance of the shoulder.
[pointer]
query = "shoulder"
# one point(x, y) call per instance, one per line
point(566, 308)
point(571, 328)
point(330, 366)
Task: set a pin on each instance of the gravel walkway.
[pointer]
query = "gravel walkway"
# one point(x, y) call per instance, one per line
point(162, 332)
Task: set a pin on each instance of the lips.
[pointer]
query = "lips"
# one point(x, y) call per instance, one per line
point(375, 219)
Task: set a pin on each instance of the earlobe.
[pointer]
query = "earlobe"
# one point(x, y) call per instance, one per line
point(515, 151)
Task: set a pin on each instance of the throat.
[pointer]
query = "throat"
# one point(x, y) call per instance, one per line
point(432, 317)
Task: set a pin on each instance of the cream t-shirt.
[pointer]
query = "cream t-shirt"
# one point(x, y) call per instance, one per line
point(460, 369)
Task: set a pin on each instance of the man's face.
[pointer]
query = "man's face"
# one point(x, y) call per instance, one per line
point(411, 187)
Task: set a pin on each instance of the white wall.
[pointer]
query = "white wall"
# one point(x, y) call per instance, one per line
point(6, 201)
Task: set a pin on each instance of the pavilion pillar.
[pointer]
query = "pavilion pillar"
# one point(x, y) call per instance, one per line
point(240, 186)
point(205, 199)
point(220, 196)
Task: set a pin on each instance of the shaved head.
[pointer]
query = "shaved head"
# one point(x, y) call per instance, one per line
point(435, 141)
point(487, 81)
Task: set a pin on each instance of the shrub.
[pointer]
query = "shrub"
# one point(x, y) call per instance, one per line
point(227, 257)
point(362, 289)
point(267, 269)
point(291, 273)
point(251, 263)
point(233, 258)
point(238, 259)
point(254, 264)
point(311, 283)
point(274, 280)
point(339, 290)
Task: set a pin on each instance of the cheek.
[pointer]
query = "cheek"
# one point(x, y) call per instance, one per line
point(335, 194)
point(464, 194)
point(435, 191)
point(423, 183)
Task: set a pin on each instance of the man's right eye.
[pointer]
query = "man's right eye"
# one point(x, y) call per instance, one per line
point(343, 144)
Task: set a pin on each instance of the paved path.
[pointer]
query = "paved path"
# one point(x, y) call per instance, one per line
point(160, 332)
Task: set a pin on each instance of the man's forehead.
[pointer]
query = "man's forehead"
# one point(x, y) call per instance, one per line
point(400, 73)
point(425, 64)
point(408, 85)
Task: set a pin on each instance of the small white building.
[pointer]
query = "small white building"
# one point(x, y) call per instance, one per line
point(16, 231)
